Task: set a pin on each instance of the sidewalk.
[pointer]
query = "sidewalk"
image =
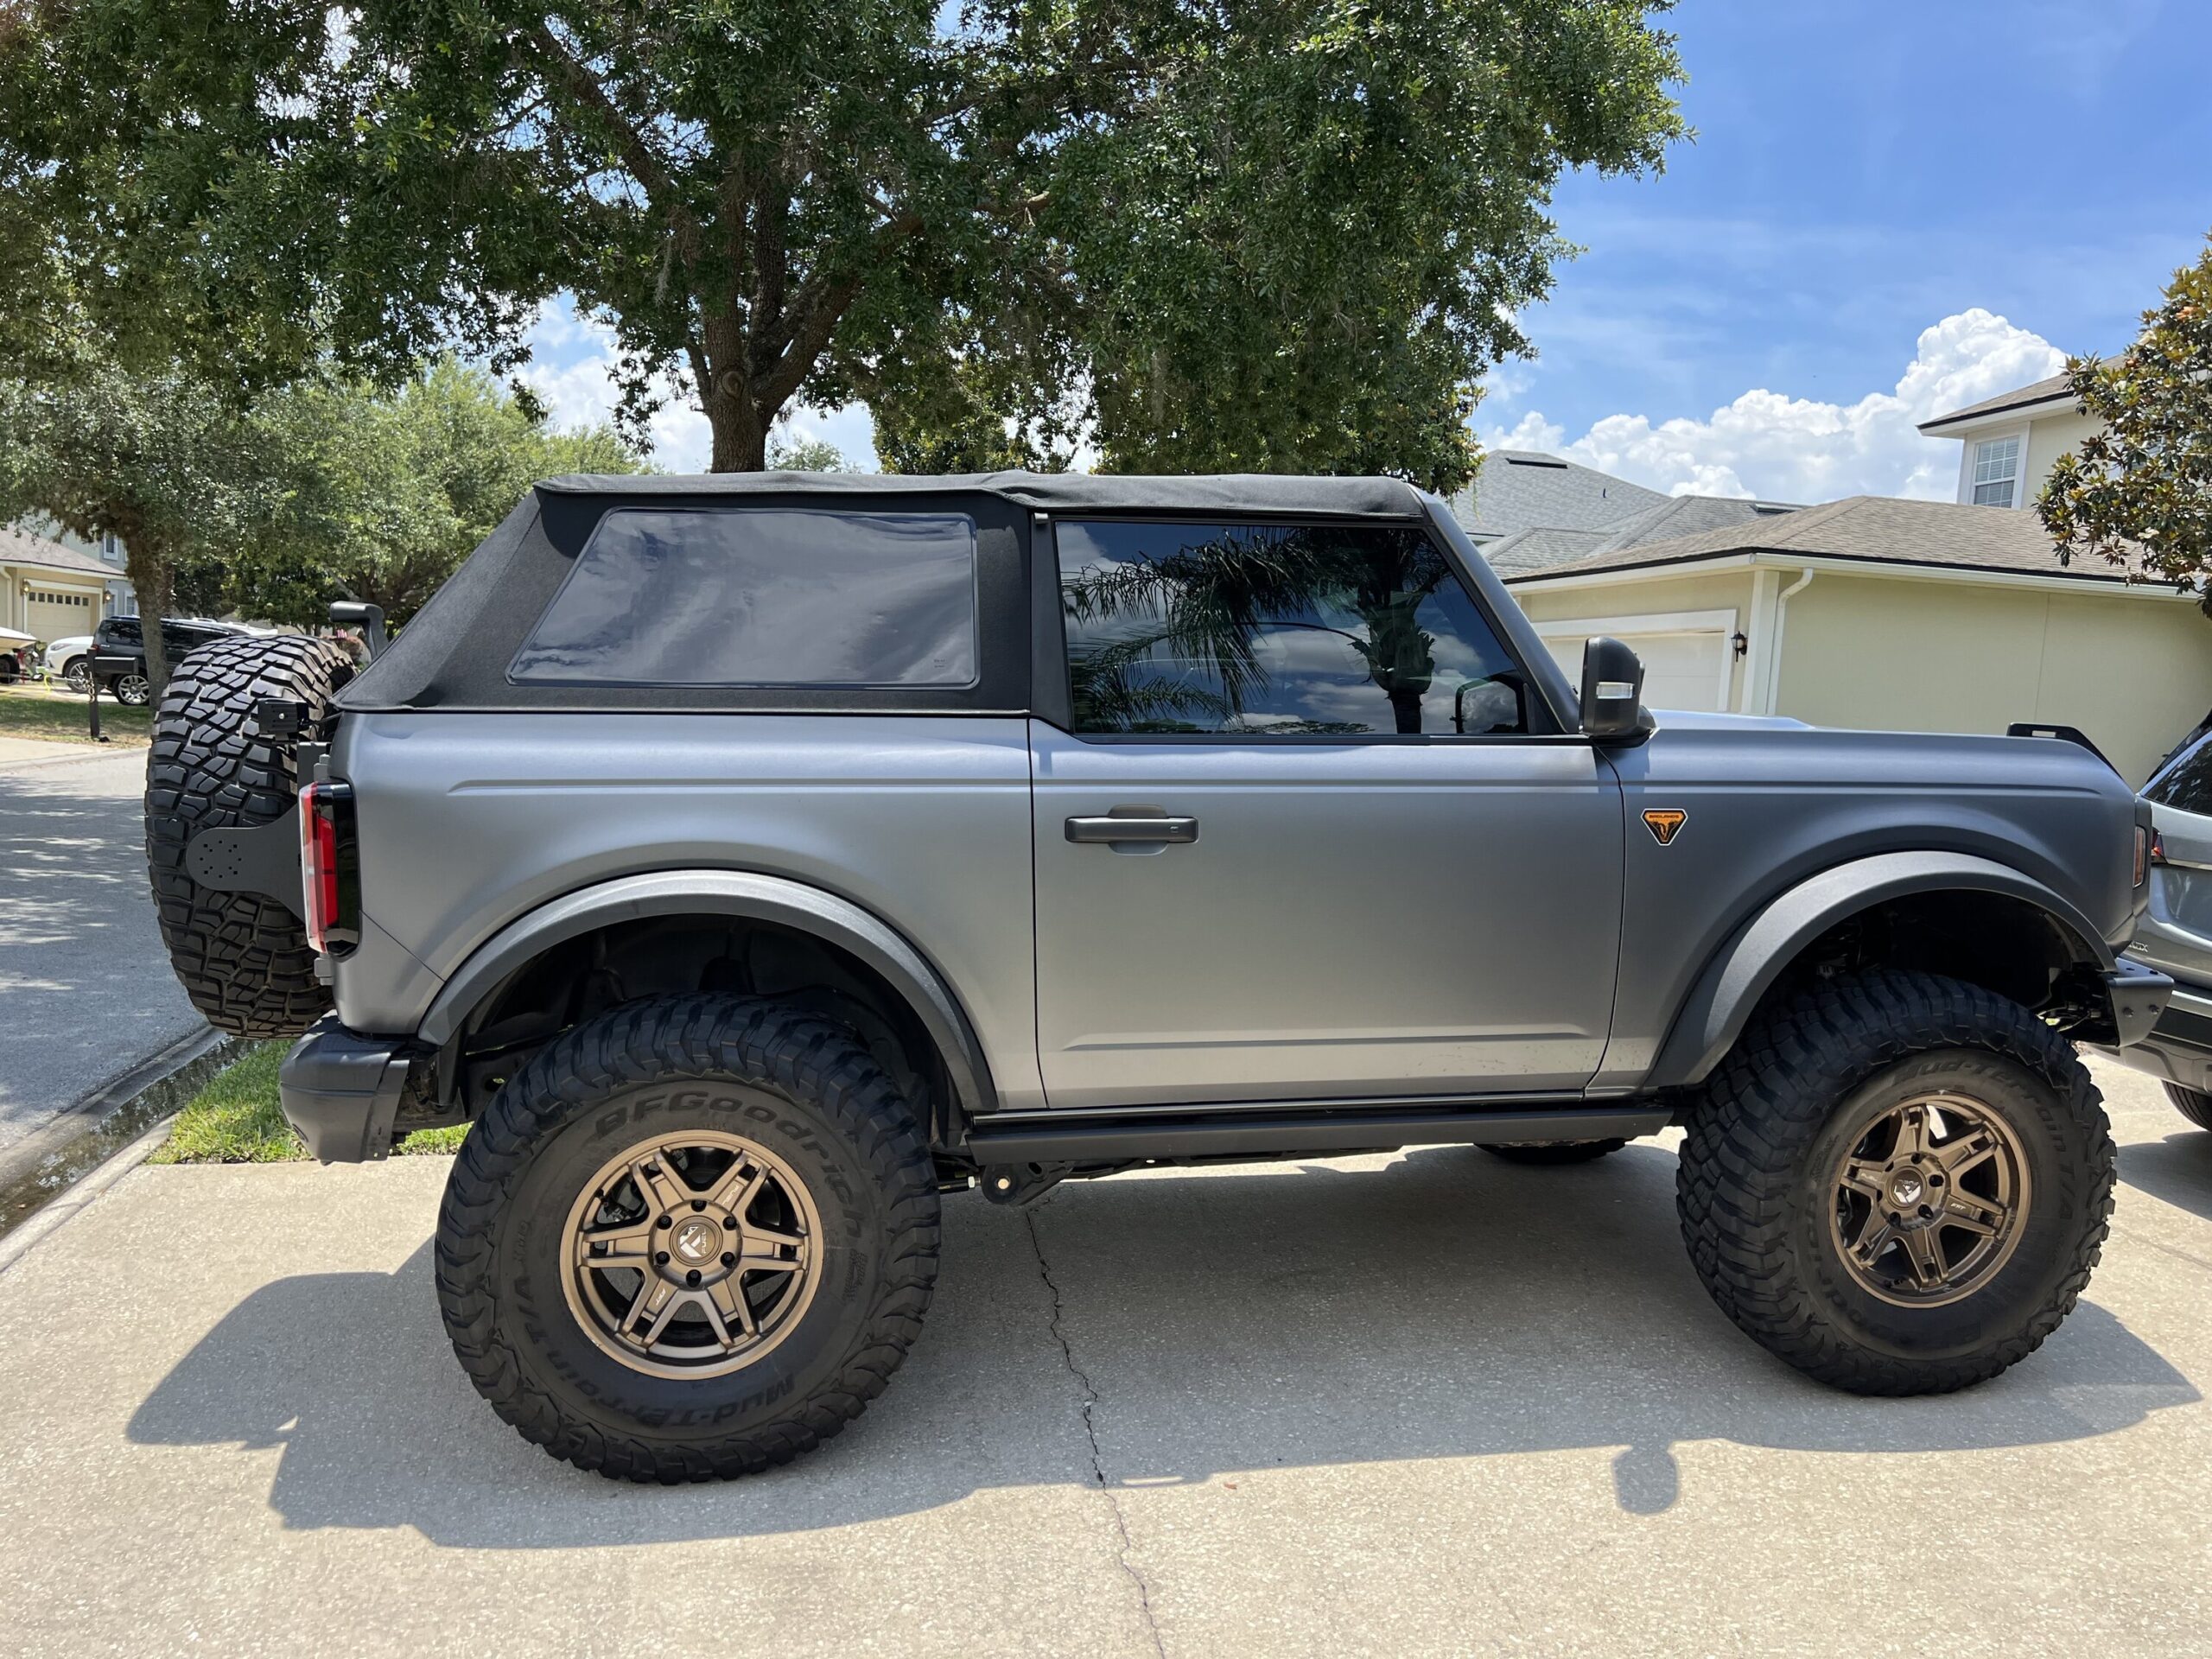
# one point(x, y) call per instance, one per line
point(88, 990)
point(1418, 1404)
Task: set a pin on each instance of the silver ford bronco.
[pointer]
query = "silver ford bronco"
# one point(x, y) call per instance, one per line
point(752, 861)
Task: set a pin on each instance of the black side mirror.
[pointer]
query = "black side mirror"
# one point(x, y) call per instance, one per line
point(1612, 692)
point(369, 619)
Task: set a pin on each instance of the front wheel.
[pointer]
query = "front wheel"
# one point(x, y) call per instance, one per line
point(1897, 1183)
point(2192, 1104)
point(77, 675)
point(691, 1239)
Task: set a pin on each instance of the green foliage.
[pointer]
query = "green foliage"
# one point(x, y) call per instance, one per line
point(2140, 490)
point(157, 455)
point(385, 493)
point(805, 455)
point(1285, 235)
point(236, 1119)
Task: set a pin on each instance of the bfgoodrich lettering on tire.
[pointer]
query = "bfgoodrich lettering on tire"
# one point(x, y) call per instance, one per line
point(1897, 1183)
point(693, 1238)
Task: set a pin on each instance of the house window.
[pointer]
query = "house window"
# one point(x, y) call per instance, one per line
point(1996, 471)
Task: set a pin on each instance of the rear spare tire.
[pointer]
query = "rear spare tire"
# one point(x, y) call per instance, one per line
point(242, 957)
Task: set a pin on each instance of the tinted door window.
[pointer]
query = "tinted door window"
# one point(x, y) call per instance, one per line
point(120, 630)
point(2186, 786)
point(763, 597)
point(1277, 630)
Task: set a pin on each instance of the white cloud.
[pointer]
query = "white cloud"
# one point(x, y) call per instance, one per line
point(1796, 449)
point(572, 368)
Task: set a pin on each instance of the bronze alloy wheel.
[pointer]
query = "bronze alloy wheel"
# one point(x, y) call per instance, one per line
point(691, 1255)
point(1929, 1200)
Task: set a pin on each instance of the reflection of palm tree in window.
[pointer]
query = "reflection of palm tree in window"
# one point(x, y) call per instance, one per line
point(1209, 603)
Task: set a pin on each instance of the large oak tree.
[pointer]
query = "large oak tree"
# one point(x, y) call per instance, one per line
point(1249, 233)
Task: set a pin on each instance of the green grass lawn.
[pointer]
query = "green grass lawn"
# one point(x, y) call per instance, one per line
point(235, 1120)
point(60, 717)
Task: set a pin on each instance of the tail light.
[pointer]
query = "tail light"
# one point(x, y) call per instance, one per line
point(325, 841)
point(2147, 852)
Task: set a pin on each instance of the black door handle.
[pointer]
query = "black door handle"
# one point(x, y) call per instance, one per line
point(1173, 831)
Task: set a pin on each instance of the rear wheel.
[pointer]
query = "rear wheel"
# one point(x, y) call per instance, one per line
point(691, 1239)
point(1897, 1183)
point(2192, 1104)
point(131, 691)
point(1550, 1152)
point(243, 958)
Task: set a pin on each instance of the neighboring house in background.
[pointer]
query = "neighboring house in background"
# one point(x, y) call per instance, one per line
point(2010, 441)
point(1876, 612)
point(1528, 511)
point(49, 591)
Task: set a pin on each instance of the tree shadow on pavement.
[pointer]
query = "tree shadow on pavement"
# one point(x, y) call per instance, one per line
point(1447, 1307)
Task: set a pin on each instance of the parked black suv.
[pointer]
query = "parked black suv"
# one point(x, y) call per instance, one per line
point(123, 636)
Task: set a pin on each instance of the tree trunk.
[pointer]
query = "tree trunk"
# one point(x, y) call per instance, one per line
point(148, 566)
point(740, 434)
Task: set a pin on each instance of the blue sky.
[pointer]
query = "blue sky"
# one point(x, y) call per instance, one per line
point(1890, 209)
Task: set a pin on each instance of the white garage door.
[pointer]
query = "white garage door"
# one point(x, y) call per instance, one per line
point(56, 614)
point(1686, 655)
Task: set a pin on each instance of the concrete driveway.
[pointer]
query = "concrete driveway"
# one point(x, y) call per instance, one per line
point(1426, 1403)
point(87, 989)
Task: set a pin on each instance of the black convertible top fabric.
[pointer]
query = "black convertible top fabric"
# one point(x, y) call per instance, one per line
point(1359, 497)
point(455, 651)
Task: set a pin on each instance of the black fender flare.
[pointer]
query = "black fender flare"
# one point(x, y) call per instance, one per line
point(1742, 969)
point(806, 909)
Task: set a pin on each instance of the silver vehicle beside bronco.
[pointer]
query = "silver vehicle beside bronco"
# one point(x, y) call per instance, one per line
point(751, 860)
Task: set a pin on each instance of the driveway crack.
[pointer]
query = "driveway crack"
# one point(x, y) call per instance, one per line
point(1125, 1554)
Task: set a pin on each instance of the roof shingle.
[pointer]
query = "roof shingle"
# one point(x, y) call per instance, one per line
point(1874, 528)
point(20, 547)
point(2018, 397)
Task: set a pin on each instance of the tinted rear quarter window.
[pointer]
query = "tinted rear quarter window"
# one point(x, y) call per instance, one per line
point(2186, 786)
point(762, 597)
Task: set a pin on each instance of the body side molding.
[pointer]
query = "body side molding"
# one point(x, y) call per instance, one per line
point(1720, 1002)
point(729, 893)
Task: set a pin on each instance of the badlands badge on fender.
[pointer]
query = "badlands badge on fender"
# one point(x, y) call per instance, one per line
point(1664, 822)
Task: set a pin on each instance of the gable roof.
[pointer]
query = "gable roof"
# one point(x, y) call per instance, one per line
point(1678, 515)
point(1525, 489)
point(2042, 392)
point(20, 547)
point(1875, 529)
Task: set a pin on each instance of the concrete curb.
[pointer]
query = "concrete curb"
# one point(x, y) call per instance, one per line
point(91, 1134)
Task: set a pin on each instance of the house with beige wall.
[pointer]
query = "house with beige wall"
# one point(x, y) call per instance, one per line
point(2008, 443)
point(1877, 613)
point(49, 591)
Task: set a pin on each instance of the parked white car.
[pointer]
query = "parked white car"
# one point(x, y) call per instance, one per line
point(70, 660)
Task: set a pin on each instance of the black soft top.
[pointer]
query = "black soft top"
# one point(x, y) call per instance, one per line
point(1344, 497)
point(455, 652)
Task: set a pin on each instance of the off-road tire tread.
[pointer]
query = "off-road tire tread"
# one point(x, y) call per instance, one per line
point(2192, 1104)
point(1551, 1152)
point(808, 1061)
point(1769, 1098)
point(242, 957)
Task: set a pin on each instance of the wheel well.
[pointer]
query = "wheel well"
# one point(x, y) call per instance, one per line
point(2003, 944)
point(582, 977)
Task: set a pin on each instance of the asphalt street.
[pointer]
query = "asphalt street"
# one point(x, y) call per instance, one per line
point(87, 991)
point(1422, 1403)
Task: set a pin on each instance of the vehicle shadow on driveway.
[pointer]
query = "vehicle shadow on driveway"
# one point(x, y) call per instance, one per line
point(1446, 1306)
point(2178, 1169)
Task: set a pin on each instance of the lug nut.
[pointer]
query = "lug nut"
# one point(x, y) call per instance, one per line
point(692, 1277)
point(663, 1256)
point(728, 1261)
point(698, 1204)
point(663, 1222)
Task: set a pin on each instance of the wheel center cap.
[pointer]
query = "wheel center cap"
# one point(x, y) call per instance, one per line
point(1906, 1186)
point(698, 1240)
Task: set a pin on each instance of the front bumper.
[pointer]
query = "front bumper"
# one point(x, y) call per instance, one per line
point(342, 1091)
point(2178, 1048)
